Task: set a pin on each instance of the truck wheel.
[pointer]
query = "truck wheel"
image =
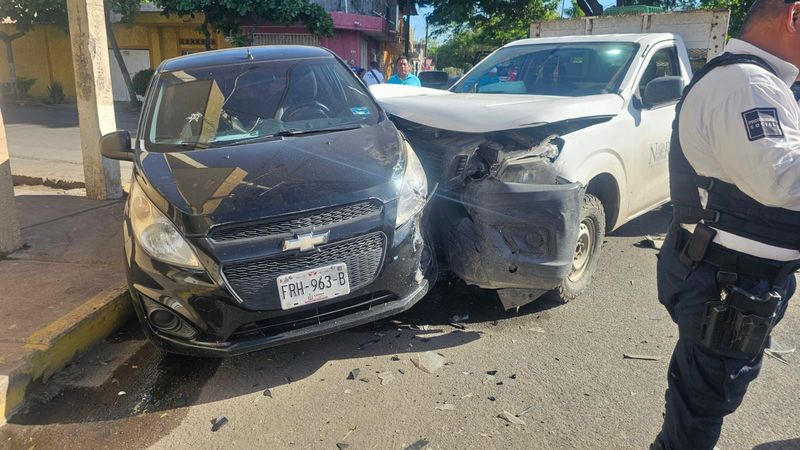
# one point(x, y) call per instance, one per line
point(587, 251)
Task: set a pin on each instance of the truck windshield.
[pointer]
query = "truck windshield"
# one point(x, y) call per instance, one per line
point(571, 69)
point(233, 104)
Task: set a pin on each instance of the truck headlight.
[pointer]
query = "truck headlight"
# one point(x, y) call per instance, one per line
point(156, 234)
point(413, 186)
point(529, 173)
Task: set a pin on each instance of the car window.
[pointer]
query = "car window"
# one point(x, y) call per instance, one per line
point(572, 69)
point(212, 106)
point(663, 64)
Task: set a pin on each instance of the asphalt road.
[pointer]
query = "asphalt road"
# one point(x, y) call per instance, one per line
point(44, 141)
point(562, 363)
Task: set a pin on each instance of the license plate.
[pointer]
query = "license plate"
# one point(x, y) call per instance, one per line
point(311, 286)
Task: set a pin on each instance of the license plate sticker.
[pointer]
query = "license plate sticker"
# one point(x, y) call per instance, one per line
point(311, 286)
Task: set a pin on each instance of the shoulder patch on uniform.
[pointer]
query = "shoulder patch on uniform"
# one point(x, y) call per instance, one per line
point(761, 123)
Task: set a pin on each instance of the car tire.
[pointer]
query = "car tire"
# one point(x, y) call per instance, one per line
point(587, 251)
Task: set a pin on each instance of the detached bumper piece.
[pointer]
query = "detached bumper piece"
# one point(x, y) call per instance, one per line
point(515, 235)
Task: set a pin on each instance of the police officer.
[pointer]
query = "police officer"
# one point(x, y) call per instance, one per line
point(725, 272)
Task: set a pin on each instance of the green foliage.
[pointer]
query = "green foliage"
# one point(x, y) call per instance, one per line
point(23, 86)
point(496, 20)
point(141, 80)
point(227, 16)
point(453, 72)
point(55, 94)
point(738, 9)
point(127, 8)
point(28, 13)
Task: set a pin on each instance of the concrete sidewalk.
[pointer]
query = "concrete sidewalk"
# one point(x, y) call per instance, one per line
point(63, 292)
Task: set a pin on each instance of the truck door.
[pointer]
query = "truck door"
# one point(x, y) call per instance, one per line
point(649, 182)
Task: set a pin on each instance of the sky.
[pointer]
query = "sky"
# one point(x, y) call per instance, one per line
point(418, 21)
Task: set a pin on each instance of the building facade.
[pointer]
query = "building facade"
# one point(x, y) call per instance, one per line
point(364, 31)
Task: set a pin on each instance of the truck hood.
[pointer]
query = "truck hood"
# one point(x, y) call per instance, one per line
point(482, 113)
point(204, 188)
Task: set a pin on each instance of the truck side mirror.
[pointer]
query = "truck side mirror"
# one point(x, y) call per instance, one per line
point(662, 91)
point(117, 145)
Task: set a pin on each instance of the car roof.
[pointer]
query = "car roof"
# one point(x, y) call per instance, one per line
point(641, 38)
point(240, 55)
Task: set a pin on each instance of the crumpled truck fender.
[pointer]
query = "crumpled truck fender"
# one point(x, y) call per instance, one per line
point(515, 235)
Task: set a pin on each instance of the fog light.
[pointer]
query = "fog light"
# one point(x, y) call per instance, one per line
point(165, 320)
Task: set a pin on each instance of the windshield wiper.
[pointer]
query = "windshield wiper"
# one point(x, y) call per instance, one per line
point(287, 133)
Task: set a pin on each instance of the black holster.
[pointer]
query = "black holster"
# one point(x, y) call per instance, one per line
point(740, 322)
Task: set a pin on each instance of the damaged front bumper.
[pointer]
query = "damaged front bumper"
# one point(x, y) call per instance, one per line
point(514, 235)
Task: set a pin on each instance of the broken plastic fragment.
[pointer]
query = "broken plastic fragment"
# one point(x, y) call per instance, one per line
point(511, 418)
point(218, 423)
point(428, 362)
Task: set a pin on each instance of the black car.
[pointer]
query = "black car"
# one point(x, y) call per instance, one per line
point(272, 200)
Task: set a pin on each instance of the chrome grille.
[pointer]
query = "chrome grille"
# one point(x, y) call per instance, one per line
point(254, 281)
point(323, 219)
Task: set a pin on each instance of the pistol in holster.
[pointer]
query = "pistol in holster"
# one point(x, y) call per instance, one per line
point(740, 321)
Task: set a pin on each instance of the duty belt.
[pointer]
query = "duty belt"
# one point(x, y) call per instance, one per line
point(698, 247)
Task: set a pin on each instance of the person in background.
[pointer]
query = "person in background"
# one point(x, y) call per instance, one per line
point(373, 75)
point(360, 73)
point(403, 74)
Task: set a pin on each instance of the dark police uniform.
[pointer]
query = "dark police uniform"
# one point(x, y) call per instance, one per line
point(725, 271)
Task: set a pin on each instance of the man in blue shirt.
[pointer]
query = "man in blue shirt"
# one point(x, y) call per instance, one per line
point(404, 75)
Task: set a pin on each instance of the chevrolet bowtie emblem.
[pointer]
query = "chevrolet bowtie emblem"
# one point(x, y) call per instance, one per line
point(306, 242)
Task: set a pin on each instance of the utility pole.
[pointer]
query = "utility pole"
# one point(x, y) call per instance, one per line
point(425, 61)
point(408, 30)
point(87, 31)
point(10, 238)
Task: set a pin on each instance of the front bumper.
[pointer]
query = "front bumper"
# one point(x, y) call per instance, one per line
point(227, 326)
point(514, 236)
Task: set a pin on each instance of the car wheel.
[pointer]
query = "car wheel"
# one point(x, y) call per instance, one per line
point(587, 251)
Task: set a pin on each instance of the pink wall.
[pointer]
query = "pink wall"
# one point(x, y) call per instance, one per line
point(346, 44)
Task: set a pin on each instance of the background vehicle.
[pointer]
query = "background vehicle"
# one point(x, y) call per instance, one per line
point(434, 79)
point(551, 142)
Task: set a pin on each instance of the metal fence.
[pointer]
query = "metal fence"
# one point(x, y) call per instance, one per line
point(284, 39)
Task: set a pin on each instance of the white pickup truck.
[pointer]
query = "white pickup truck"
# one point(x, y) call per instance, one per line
point(551, 141)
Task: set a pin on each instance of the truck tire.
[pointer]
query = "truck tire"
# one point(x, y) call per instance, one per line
point(587, 251)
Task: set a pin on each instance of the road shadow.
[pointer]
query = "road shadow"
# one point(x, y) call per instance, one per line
point(154, 382)
point(788, 444)
point(655, 222)
point(62, 116)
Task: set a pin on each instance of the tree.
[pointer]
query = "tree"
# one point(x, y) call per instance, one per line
point(26, 14)
point(227, 16)
point(128, 9)
point(738, 9)
point(496, 20)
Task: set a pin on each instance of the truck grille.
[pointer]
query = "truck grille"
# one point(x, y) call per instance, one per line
point(254, 281)
point(321, 219)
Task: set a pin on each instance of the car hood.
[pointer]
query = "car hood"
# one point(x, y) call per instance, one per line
point(203, 188)
point(482, 113)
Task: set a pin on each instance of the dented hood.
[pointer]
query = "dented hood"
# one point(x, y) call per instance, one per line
point(481, 113)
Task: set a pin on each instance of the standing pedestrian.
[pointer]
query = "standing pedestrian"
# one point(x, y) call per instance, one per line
point(725, 271)
point(373, 75)
point(403, 75)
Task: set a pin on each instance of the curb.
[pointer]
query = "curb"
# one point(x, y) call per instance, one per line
point(51, 348)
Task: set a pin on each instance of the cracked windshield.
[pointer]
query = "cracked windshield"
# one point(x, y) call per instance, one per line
point(228, 105)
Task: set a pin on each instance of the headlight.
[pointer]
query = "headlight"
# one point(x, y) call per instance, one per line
point(540, 172)
point(413, 186)
point(156, 234)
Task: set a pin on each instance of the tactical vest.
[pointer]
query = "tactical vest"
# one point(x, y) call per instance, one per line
point(728, 208)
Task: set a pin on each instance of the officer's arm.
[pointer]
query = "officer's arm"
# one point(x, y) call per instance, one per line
point(755, 134)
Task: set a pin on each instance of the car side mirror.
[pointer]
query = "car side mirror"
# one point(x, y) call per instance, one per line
point(117, 145)
point(662, 91)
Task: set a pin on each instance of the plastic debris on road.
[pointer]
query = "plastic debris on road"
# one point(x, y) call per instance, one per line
point(511, 418)
point(218, 422)
point(428, 362)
